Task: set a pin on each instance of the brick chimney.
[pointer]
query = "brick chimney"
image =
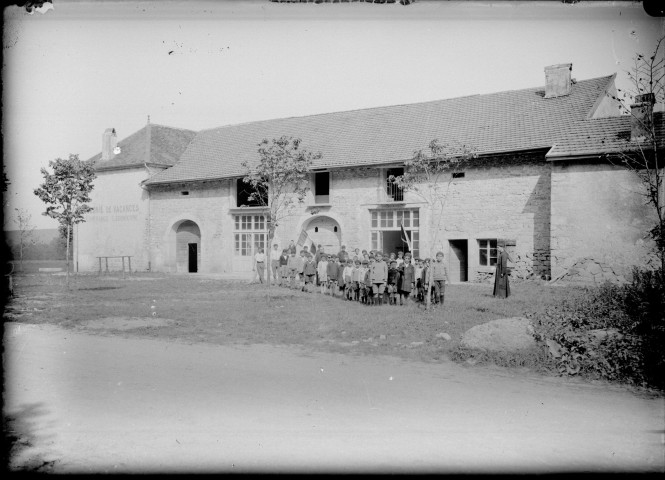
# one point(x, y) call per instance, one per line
point(641, 117)
point(557, 80)
point(109, 142)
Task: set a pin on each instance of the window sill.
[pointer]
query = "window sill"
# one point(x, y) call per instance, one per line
point(317, 205)
point(485, 269)
point(248, 210)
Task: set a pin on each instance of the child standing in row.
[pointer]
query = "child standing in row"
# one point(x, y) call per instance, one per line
point(348, 280)
point(408, 280)
point(394, 279)
point(322, 272)
point(439, 278)
point(332, 273)
point(418, 272)
point(378, 277)
point(341, 265)
point(309, 272)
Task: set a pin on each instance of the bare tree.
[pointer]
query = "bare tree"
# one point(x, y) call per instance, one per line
point(641, 154)
point(26, 232)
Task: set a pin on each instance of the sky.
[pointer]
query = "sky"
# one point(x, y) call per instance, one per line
point(82, 67)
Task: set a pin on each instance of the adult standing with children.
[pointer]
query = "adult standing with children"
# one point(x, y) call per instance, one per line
point(260, 260)
point(274, 262)
point(501, 283)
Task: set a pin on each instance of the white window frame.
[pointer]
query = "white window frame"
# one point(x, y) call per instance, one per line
point(250, 232)
point(382, 220)
point(485, 248)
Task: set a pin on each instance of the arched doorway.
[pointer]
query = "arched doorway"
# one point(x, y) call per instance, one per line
point(188, 247)
point(325, 231)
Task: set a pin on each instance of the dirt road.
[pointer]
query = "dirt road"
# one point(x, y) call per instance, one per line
point(92, 403)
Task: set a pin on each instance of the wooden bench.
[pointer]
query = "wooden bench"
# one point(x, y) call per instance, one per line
point(106, 259)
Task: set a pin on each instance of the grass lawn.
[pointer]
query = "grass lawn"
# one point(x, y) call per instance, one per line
point(193, 308)
point(33, 266)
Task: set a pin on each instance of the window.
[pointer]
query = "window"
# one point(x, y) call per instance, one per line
point(487, 252)
point(184, 193)
point(322, 187)
point(250, 234)
point(394, 192)
point(243, 191)
point(458, 175)
point(386, 229)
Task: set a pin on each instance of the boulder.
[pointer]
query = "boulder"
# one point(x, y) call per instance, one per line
point(503, 335)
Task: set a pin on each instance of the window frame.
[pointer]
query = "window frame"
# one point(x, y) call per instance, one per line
point(485, 248)
point(249, 234)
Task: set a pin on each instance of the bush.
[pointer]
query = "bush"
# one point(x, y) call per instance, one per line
point(610, 332)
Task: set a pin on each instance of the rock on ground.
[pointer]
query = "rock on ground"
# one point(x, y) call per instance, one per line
point(503, 335)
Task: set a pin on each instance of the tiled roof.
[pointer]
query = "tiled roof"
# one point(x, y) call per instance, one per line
point(493, 123)
point(602, 135)
point(166, 146)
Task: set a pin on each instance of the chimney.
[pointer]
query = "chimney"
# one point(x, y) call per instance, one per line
point(109, 142)
point(641, 117)
point(557, 80)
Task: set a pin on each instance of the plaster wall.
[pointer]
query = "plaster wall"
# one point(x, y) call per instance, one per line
point(117, 224)
point(598, 212)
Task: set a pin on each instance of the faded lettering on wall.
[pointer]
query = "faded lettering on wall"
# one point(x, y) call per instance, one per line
point(114, 213)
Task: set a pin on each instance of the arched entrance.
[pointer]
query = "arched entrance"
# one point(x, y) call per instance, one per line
point(188, 247)
point(325, 231)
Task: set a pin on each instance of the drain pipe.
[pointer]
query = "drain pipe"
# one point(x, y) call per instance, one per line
point(149, 219)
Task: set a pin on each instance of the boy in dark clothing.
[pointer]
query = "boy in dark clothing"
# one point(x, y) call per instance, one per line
point(340, 276)
point(283, 271)
point(393, 281)
point(309, 273)
point(408, 279)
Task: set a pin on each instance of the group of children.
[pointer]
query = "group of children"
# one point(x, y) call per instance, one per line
point(367, 278)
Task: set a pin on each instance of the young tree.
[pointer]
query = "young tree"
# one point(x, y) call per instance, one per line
point(429, 175)
point(280, 180)
point(66, 191)
point(26, 232)
point(641, 154)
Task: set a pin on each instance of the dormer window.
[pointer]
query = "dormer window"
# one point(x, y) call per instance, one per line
point(393, 191)
point(322, 187)
point(243, 192)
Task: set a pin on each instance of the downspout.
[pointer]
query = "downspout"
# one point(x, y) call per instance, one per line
point(145, 164)
point(149, 237)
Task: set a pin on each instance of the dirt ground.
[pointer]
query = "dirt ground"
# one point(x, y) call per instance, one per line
point(87, 401)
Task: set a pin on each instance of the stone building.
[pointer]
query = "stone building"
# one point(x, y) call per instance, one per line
point(175, 200)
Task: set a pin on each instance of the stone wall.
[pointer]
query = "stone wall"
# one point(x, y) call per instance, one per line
point(206, 204)
point(598, 214)
point(497, 198)
point(501, 198)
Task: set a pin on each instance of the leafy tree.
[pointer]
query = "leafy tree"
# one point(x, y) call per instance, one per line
point(280, 180)
point(428, 175)
point(641, 156)
point(26, 231)
point(66, 191)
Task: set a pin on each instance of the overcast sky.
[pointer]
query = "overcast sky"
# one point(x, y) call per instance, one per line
point(83, 67)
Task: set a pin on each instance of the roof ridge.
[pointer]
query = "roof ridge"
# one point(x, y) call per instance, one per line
point(535, 89)
point(169, 127)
